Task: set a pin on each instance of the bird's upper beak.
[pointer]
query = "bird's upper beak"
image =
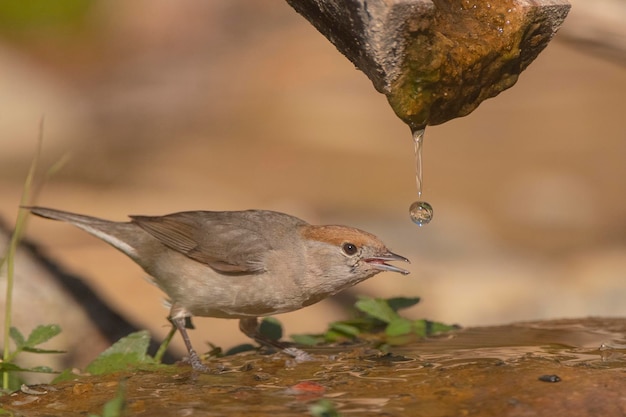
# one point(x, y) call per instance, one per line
point(378, 262)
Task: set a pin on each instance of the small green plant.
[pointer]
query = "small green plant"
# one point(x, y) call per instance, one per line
point(38, 336)
point(379, 317)
point(324, 408)
point(41, 333)
point(129, 352)
point(115, 406)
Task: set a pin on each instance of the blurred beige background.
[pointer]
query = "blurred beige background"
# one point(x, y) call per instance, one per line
point(224, 105)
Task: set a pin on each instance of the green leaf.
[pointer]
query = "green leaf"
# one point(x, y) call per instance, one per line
point(244, 347)
point(113, 363)
point(437, 327)
point(115, 406)
point(11, 367)
point(399, 303)
point(41, 369)
point(66, 375)
point(425, 328)
point(365, 324)
point(344, 329)
point(127, 352)
point(377, 308)
point(399, 327)
point(158, 356)
point(324, 408)
point(42, 334)
point(17, 337)
point(38, 350)
point(271, 328)
point(420, 327)
point(307, 339)
point(332, 336)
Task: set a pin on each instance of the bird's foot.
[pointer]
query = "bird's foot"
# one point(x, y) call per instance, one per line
point(196, 363)
point(298, 355)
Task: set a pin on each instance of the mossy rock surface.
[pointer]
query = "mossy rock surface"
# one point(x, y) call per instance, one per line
point(490, 371)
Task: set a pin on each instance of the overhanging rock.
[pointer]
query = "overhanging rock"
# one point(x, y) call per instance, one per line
point(437, 59)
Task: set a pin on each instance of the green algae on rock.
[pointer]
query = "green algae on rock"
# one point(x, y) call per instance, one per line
point(437, 60)
point(463, 53)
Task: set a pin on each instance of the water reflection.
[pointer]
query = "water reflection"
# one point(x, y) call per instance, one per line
point(592, 341)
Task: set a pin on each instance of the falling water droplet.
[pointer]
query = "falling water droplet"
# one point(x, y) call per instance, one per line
point(421, 212)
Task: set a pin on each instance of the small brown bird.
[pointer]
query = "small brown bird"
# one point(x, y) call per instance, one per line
point(240, 264)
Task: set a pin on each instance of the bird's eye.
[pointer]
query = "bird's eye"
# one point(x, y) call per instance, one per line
point(349, 248)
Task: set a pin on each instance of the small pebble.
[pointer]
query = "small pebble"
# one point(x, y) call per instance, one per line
point(550, 378)
point(32, 391)
point(262, 376)
point(307, 386)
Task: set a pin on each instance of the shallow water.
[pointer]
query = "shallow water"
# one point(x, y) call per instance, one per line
point(594, 342)
point(478, 371)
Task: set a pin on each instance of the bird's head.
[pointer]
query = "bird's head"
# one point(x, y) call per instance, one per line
point(347, 256)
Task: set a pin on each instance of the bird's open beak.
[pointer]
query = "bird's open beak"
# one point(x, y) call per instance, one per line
point(378, 262)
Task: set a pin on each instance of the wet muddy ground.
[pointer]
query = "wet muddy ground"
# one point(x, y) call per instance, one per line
point(549, 368)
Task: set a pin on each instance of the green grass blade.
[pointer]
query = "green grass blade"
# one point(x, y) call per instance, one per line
point(20, 225)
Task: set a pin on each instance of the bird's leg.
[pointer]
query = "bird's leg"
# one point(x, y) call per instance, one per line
point(250, 327)
point(178, 317)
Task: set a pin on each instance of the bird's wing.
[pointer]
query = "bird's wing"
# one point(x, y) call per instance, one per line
point(217, 239)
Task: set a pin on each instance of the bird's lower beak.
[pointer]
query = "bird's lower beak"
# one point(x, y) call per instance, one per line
point(378, 262)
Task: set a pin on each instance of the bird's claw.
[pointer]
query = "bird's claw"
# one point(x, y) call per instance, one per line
point(196, 363)
point(298, 355)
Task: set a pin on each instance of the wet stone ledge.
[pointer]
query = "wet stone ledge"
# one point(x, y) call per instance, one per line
point(550, 368)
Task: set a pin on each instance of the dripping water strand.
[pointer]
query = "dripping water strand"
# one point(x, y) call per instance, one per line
point(421, 212)
point(418, 139)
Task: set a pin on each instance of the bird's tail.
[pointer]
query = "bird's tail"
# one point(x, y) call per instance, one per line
point(75, 219)
point(114, 233)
